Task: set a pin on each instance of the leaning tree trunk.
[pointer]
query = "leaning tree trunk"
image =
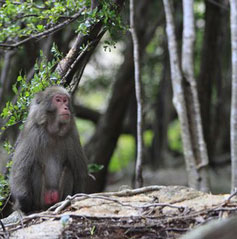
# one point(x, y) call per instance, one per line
point(233, 8)
point(71, 67)
point(180, 85)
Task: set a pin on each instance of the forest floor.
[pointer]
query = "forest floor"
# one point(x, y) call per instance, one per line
point(149, 212)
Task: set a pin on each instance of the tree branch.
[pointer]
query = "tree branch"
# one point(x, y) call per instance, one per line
point(45, 33)
point(86, 113)
point(68, 66)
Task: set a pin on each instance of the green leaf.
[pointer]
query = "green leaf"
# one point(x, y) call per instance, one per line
point(14, 88)
point(19, 78)
point(40, 27)
point(93, 168)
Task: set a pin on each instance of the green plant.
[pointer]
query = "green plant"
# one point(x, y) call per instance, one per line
point(174, 137)
point(25, 90)
point(124, 153)
point(4, 190)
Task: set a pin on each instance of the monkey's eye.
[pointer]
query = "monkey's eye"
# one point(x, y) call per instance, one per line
point(58, 100)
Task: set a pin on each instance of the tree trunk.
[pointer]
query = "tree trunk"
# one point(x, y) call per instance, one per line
point(71, 67)
point(210, 77)
point(101, 146)
point(138, 90)
point(233, 21)
point(163, 108)
point(193, 107)
point(183, 107)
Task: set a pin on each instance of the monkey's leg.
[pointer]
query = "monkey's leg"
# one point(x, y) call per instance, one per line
point(66, 183)
point(38, 187)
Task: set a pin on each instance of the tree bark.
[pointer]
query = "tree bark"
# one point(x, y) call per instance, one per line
point(73, 64)
point(4, 83)
point(195, 123)
point(86, 113)
point(183, 107)
point(163, 109)
point(233, 21)
point(211, 78)
point(138, 90)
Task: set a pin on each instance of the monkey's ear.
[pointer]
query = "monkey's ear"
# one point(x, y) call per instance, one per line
point(38, 97)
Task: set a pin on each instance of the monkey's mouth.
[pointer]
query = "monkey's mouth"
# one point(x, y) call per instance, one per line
point(65, 117)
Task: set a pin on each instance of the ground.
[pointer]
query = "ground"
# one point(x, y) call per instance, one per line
point(149, 212)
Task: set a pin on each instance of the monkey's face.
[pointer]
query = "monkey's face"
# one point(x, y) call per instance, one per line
point(58, 117)
point(61, 103)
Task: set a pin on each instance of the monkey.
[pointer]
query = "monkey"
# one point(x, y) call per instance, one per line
point(48, 161)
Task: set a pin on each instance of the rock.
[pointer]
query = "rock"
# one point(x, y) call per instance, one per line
point(149, 212)
point(217, 229)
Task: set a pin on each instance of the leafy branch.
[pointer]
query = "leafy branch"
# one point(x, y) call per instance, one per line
point(25, 90)
point(26, 19)
point(44, 33)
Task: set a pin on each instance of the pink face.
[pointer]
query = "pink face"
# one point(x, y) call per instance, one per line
point(62, 104)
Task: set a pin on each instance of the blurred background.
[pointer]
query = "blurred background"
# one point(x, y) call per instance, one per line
point(105, 103)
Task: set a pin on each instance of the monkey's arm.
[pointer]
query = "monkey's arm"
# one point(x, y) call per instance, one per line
point(78, 163)
point(21, 175)
point(80, 177)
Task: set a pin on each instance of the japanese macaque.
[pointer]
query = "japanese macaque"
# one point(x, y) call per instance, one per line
point(48, 163)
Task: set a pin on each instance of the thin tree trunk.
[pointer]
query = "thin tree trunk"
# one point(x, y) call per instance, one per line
point(138, 86)
point(199, 145)
point(178, 97)
point(185, 98)
point(163, 110)
point(233, 19)
point(211, 78)
point(4, 73)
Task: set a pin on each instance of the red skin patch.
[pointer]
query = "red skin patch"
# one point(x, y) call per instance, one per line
point(51, 197)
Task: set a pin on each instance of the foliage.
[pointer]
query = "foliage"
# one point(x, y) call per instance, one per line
point(25, 90)
point(85, 128)
point(4, 189)
point(123, 154)
point(8, 147)
point(23, 19)
point(148, 136)
point(152, 71)
point(174, 136)
point(19, 19)
point(125, 151)
point(199, 11)
point(111, 20)
point(93, 168)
